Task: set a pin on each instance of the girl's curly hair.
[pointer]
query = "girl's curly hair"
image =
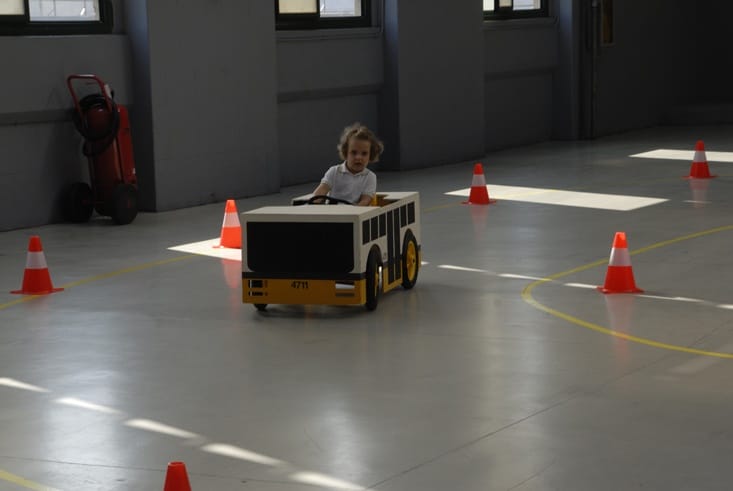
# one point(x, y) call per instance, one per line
point(360, 132)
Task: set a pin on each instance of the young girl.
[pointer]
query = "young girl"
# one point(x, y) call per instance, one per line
point(351, 180)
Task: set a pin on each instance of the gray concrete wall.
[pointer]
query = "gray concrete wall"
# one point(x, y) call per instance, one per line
point(668, 56)
point(713, 55)
point(704, 59)
point(223, 106)
point(435, 52)
point(428, 86)
point(520, 57)
point(325, 80)
point(566, 104)
point(41, 151)
point(135, 20)
point(214, 104)
point(634, 86)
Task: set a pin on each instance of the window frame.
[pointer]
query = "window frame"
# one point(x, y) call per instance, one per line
point(285, 22)
point(504, 13)
point(22, 25)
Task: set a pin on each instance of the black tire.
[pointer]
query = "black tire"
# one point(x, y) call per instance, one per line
point(124, 204)
point(373, 289)
point(262, 307)
point(410, 261)
point(78, 203)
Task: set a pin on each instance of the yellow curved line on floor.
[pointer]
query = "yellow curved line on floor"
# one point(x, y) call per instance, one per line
point(132, 269)
point(22, 482)
point(527, 297)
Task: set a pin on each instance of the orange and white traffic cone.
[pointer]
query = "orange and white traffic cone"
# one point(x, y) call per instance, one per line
point(176, 478)
point(36, 278)
point(619, 276)
point(231, 229)
point(479, 193)
point(699, 168)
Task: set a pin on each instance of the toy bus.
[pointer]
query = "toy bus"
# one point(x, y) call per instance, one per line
point(332, 254)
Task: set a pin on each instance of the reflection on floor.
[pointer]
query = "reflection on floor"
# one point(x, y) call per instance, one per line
point(504, 368)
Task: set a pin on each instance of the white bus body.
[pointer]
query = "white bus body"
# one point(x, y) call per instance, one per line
point(330, 254)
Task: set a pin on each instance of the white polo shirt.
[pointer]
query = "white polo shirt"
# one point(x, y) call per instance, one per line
point(348, 186)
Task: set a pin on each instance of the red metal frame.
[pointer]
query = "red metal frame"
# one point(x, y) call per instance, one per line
point(114, 164)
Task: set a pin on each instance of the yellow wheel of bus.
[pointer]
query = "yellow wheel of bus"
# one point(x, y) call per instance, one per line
point(372, 280)
point(410, 262)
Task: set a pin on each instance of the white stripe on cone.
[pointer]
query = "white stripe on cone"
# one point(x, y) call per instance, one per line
point(478, 180)
point(36, 260)
point(699, 156)
point(230, 220)
point(619, 257)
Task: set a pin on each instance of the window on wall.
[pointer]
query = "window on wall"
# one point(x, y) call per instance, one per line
point(513, 9)
point(32, 17)
point(322, 14)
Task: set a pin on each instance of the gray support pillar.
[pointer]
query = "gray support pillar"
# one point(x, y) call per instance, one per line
point(566, 87)
point(205, 80)
point(141, 118)
point(432, 107)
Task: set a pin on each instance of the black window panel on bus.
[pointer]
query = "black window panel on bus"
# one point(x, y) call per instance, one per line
point(300, 247)
point(394, 245)
point(375, 228)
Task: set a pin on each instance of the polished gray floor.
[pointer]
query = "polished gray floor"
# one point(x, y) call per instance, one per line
point(503, 369)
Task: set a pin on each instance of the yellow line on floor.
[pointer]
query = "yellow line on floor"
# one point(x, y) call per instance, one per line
point(131, 269)
point(527, 297)
point(22, 482)
point(104, 276)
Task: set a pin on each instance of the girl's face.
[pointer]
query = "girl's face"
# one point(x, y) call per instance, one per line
point(357, 156)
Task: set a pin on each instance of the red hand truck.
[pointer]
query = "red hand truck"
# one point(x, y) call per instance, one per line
point(105, 127)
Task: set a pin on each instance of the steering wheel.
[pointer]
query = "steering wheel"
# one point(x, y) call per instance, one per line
point(329, 199)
